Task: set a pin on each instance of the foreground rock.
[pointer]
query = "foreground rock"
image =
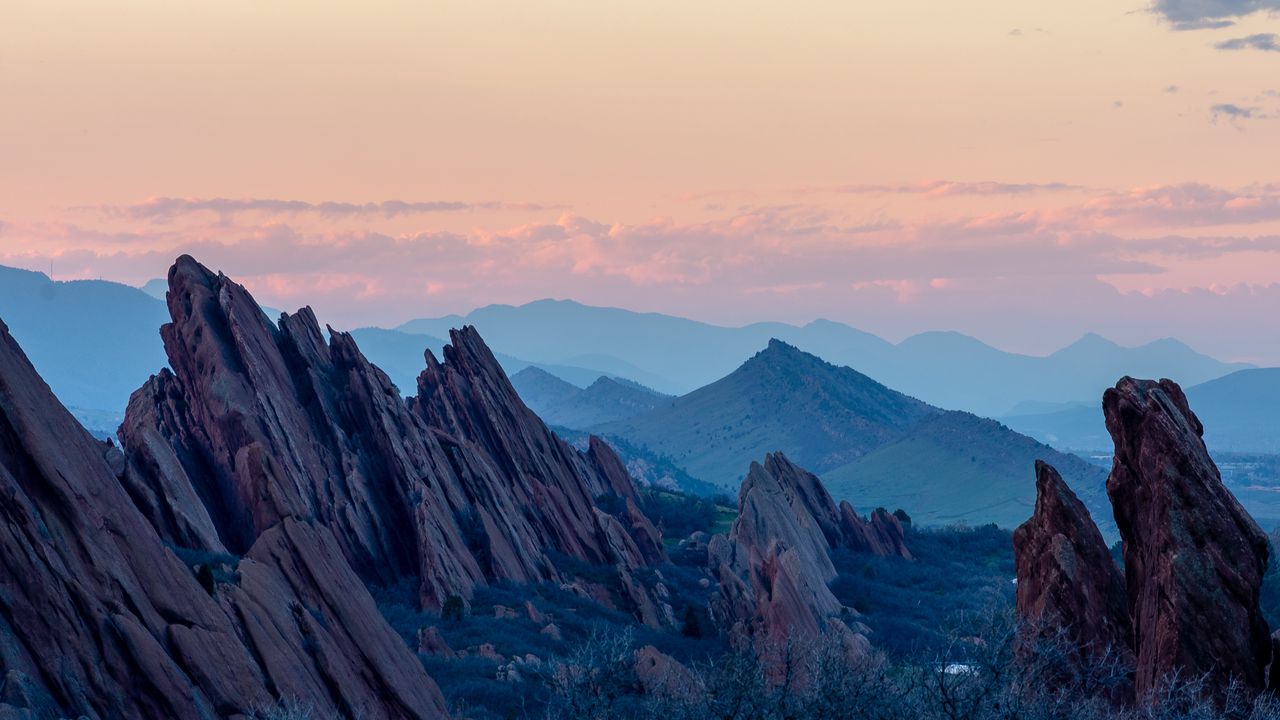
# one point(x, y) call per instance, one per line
point(261, 422)
point(100, 619)
point(1194, 559)
point(1069, 588)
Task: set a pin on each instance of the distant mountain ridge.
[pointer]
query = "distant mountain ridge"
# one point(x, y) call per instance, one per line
point(561, 403)
point(873, 445)
point(946, 369)
point(95, 341)
point(399, 353)
point(1240, 412)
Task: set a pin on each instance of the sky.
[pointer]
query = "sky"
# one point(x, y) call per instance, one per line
point(1022, 172)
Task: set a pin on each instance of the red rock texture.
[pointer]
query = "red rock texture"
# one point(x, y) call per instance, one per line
point(1068, 582)
point(468, 397)
point(259, 422)
point(775, 565)
point(98, 618)
point(1194, 559)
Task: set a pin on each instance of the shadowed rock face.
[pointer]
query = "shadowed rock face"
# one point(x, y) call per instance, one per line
point(259, 422)
point(1194, 559)
point(775, 564)
point(469, 398)
point(1067, 580)
point(98, 618)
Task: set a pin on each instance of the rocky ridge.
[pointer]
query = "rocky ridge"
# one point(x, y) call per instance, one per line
point(1188, 605)
point(99, 618)
point(461, 485)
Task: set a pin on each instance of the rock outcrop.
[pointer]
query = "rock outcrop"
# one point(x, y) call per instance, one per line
point(260, 422)
point(661, 675)
point(98, 618)
point(469, 399)
point(1194, 559)
point(1069, 587)
point(775, 565)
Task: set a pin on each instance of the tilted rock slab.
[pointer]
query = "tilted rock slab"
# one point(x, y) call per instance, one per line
point(259, 422)
point(1194, 559)
point(98, 618)
point(775, 565)
point(1069, 587)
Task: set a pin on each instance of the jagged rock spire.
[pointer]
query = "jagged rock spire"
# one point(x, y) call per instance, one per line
point(1194, 559)
point(1068, 583)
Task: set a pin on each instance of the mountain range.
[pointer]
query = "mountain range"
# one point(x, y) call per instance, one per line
point(562, 403)
point(95, 341)
point(946, 369)
point(871, 444)
point(1238, 412)
point(277, 531)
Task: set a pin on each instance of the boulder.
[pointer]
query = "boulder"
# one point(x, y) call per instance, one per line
point(661, 675)
point(431, 642)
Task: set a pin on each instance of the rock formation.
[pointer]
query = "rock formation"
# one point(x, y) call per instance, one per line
point(775, 564)
point(1194, 559)
point(259, 422)
point(98, 618)
point(1067, 579)
point(661, 675)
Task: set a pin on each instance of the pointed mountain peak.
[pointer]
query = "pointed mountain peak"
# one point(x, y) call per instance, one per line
point(778, 351)
point(1092, 341)
point(533, 372)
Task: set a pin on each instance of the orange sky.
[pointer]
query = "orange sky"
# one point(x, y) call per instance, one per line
point(732, 161)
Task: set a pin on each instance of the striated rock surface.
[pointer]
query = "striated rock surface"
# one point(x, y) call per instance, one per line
point(775, 564)
point(1067, 580)
point(1194, 559)
point(260, 422)
point(468, 397)
point(98, 618)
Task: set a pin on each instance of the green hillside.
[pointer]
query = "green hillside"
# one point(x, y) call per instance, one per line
point(961, 468)
point(821, 415)
point(872, 445)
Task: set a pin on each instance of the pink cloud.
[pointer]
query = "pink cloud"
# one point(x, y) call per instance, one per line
point(1002, 273)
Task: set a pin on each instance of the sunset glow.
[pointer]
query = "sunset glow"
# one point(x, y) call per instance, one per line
point(1024, 172)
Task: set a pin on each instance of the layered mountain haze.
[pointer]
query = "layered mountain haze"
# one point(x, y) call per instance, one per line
point(400, 355)
point(947, 369)
point(112, 327)
point(94, 341)
point(1241, 412)
point(64, 322)
point(873, 445)
point(561, 403)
